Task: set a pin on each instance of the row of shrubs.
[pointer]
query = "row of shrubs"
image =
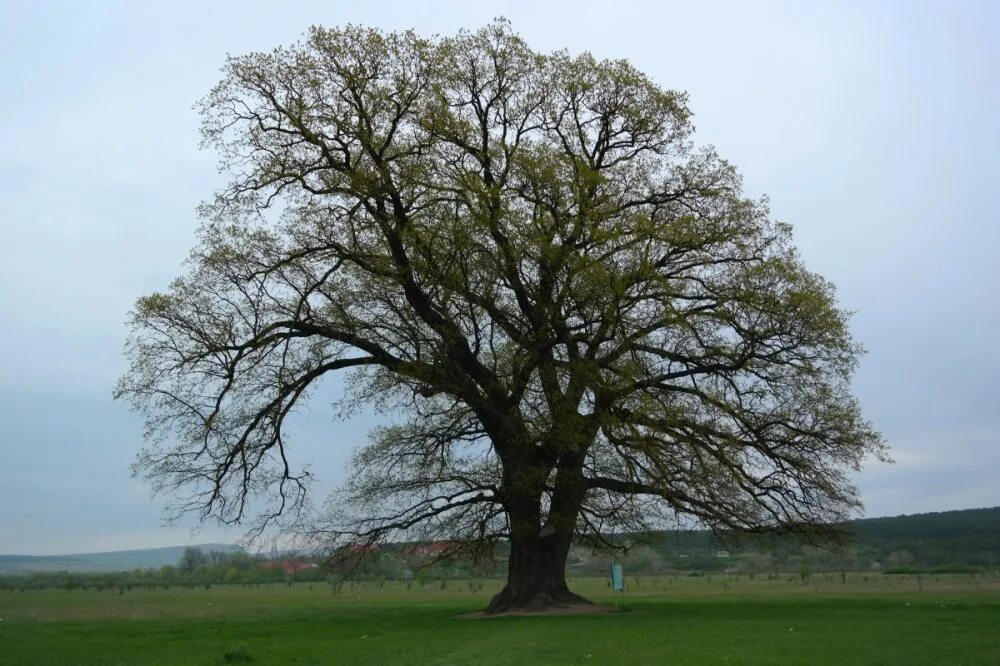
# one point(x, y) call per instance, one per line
point(943, 569)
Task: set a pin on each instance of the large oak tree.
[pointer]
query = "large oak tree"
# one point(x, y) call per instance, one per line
point(577, 320)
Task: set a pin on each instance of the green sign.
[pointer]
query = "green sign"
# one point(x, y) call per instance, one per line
point(617, 580)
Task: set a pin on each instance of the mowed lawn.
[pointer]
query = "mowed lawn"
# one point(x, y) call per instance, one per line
point(710, 620)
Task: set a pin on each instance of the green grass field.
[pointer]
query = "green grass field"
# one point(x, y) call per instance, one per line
point(710, 620)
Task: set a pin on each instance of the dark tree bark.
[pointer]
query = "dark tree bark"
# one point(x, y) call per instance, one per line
point(536, 577)
point(536, 574)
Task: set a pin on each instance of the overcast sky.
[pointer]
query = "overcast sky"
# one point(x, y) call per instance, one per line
point(874, 127)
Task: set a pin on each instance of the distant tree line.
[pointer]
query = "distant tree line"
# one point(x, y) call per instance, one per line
point(197, 568)
point(950, 542)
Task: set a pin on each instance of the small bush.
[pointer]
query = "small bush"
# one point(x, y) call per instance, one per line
point(237, 655)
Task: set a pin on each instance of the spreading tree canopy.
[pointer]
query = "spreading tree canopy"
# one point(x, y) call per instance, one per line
point(576, 321)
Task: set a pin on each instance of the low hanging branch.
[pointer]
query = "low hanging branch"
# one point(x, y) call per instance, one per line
point(583, 323)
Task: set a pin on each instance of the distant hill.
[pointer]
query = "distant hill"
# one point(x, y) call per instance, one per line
point(969, 537)
point(120, 560)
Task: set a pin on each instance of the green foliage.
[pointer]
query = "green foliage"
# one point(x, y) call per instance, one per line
point(579, 315)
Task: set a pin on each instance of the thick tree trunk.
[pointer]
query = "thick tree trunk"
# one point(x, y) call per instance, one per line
point(536, 576)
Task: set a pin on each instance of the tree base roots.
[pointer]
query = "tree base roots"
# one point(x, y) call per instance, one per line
point(545, 599)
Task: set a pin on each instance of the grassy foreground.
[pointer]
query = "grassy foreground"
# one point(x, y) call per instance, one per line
point(711, 620)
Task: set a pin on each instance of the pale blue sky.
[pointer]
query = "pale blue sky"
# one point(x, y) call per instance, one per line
point(874, 127)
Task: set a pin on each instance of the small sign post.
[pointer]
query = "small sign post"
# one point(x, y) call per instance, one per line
point(617, 583)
